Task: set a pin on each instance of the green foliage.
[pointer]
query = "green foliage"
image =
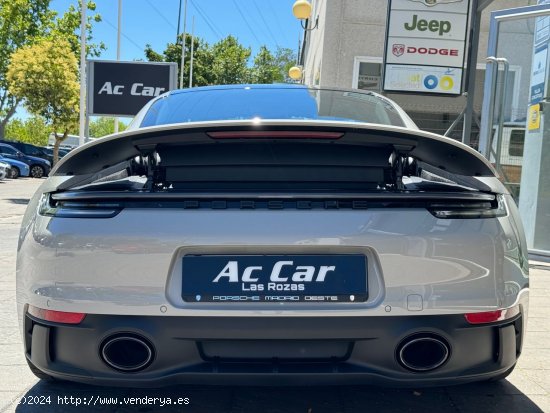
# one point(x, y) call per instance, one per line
point(104, 126)
point(45, 76)
point(230, 62)
point(202, 60)
point(226, 62)
point(285, 58)
point(32, 130)
point(265, 69)
point(25, 22)
point(21, 22)
point(68, 27)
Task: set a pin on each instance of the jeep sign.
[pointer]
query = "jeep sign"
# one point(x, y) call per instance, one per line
point(123, 88)
point(425, 46)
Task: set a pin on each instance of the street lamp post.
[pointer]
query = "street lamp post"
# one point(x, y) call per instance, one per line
point(192, 50)
point(302, 11)
point(82, 127)
point(182, 66)
point(119, 29)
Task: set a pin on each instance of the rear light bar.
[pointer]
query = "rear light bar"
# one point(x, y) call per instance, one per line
point(274, 135)
point(56, 316)
point(77, 210)
point(492, 316)
point(493, 209)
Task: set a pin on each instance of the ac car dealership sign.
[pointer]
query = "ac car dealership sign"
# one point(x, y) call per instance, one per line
point(426, 46)
point(123, 88)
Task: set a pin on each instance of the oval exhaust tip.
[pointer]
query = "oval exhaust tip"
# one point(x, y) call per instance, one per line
point(423, 352)
point(127, 352)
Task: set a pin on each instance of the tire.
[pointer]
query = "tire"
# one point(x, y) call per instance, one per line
point(15, 173)
point(37, 171)
point(39, 373)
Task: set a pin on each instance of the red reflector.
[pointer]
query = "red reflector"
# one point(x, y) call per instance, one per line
point(275, 135)
point(56, 316)
point(491, 316)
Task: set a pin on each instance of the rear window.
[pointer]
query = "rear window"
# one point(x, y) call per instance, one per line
point(246, 103)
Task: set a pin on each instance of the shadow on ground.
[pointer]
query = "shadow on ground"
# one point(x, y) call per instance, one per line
point(484, 397)
point(18, 201)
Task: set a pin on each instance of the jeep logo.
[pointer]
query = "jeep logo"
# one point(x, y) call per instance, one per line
point(437, 26)
point(302, 273)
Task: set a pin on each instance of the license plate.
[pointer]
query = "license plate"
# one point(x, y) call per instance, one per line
point(274, 278)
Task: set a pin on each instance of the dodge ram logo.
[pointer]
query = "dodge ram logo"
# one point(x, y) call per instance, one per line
point(398, 49)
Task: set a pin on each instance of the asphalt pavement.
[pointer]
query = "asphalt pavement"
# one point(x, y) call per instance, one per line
point(527, 389)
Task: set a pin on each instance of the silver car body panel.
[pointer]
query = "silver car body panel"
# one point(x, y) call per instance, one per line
point(453, 265)
point(131, 263)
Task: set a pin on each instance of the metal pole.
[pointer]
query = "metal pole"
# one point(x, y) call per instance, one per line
point(472, 71)
point(179, 21)
point(192, 49)
point(82, 73)
point(182, 66)
point(477, 9)
point(490, 109)
point(299, 47)
point(502, 97)
point(455, 122)
point(87, 129)
point(119, 29)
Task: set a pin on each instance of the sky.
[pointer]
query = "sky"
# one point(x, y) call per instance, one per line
point(155, 22)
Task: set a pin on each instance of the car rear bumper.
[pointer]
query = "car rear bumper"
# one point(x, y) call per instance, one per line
point(273, 350)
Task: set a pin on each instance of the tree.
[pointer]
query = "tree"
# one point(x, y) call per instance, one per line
point(223, 63)
point(202, 60)
point(68, 27)
point(32, 130)
point(230, 60)
point(21, 22)
point(285, 58)
point(104, 126)
point(226, 62)
point(265, 69)
point(45, 76)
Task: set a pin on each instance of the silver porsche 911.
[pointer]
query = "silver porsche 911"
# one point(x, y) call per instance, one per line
point(272, 235)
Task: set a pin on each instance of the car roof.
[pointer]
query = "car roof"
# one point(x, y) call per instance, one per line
point(8, 145)
point(210, 103)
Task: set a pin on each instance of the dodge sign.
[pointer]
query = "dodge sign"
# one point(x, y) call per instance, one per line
point(123, 88)
point(425, 46)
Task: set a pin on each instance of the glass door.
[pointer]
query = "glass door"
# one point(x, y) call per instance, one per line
point(512, 129)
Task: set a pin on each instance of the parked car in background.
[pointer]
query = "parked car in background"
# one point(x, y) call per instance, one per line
point(62, 152)
point(17, 168)
point(5, 170)
point(272, 234)
point(70, 142)
point(30, 150)
point(39, 167)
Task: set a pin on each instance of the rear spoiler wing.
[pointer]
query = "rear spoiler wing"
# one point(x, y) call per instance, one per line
point(443, 153)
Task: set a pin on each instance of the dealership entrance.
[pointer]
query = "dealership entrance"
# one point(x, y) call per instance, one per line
point(514, 134)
